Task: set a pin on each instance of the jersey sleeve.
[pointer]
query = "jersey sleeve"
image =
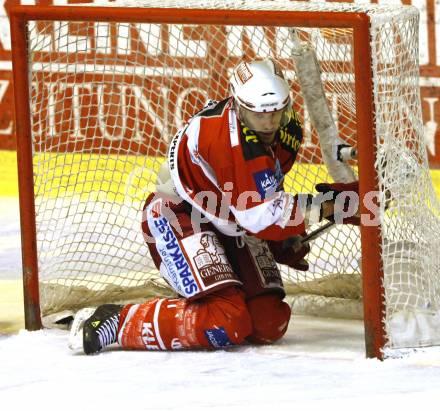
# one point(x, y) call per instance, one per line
point(276, 219)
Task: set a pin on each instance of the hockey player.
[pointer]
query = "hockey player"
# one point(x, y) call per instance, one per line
point(217, 226)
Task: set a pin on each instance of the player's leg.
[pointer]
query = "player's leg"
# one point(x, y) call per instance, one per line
point(211, 309)
point(254, 264)
point(216, 320)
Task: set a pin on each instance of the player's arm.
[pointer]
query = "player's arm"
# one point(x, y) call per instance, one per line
point(292, 251)
point(277, 218)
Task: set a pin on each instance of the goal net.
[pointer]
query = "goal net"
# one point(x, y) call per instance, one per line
point(108, 87)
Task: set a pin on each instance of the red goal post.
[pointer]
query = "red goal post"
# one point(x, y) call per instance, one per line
point(36, 63)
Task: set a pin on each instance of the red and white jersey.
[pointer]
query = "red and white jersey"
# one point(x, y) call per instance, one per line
point(221, 168)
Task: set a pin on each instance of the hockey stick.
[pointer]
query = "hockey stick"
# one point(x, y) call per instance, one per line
point(298, 241)
point(317, 233)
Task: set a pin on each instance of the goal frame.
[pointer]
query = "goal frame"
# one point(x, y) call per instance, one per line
point(372, 270)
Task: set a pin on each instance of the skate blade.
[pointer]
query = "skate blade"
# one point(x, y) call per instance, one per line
point(75, 342)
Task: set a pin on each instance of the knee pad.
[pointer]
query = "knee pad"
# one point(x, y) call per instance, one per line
point(270, 318)
point(222, 318)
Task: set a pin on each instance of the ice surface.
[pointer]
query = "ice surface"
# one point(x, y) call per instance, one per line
point(319, 364)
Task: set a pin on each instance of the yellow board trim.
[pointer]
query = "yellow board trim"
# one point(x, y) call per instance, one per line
point(86, 173)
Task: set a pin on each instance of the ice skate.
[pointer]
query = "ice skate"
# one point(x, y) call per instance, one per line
point(93, 329)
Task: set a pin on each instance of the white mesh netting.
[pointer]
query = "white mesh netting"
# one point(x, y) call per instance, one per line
point(107, 96)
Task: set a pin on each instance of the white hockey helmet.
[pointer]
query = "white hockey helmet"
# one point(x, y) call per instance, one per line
point(260, 86)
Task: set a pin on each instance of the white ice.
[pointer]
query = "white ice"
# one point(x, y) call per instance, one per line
point(319, 364)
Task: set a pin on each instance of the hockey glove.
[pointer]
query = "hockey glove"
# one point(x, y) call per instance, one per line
point(290, 252)
point(347, 213)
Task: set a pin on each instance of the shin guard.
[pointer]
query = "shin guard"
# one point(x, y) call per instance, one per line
point(217, 320)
